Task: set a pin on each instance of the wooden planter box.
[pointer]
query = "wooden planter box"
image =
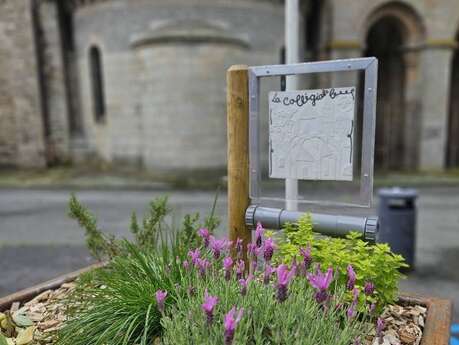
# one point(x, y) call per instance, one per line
point(436, 330)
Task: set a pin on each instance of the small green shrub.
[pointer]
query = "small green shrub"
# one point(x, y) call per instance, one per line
point(116, 304)
point(152, 232)
point(372, 263)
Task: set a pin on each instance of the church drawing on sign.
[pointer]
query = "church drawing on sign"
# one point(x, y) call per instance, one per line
point(141, 83)
point(311, 138)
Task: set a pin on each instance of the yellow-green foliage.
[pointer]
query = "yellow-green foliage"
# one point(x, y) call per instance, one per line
point(372, 263)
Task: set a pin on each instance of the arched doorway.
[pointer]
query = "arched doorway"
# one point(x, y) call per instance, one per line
point(452, 151)
point(385, 40)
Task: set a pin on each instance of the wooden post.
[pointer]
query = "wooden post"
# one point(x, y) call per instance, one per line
point(238, 152)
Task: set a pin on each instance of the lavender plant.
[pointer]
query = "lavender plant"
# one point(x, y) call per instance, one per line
point(221, 303)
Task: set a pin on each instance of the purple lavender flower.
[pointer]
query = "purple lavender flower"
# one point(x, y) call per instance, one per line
point(357, 341)
point(160, 298)
point(240, 268)
point(202, 265)
point(294, 268)
point(351, 311)
point(306, 254)
point(205, 235)
point(228, 267)
point(268, 249)
point(252, 250)
point(350, 278)
point(186, 265)
point(267, 275)
point(230, 322)
point(239, 247)
point(283, 278)
point(208, 306)
point(372, 308)
point(244, 283)
point(369, 288)
point(194, 255)
point(379, 329)
point(217, 246)
point(259, 235)
point(355, 299)
point(321, 281)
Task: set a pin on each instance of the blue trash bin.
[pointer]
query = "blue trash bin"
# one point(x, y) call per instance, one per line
point(397, 221)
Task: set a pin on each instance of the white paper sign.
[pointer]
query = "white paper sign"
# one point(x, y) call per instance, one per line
point(311, 134)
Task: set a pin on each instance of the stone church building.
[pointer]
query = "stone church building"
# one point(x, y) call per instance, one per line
point(142, 82)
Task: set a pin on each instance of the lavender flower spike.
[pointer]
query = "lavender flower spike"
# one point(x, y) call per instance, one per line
point(267, 275)
point(217, 246)
point(321, 281)
point(240, 268)
point(230, 322)
point(283, 278)
point(186, 265)
point(379, 329)
point(205, 235)
point(239, 246)
point(369, 288)
point(351, 277)
point(253, 251)
point(243, 282)
point(160, 298)
point(268, 249)
point(351, 311)
point(208, 306)
point(259, 235)
point(203, 265)
point(227, 267)
point(307, 258)
point(194, 255)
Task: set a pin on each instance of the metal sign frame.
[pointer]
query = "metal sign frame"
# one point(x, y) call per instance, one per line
point(370, 67)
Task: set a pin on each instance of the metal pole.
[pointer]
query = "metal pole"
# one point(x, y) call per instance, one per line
point(292, 55)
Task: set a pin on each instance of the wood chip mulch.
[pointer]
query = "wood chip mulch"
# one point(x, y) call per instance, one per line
point(36, 322)
point(403, 325)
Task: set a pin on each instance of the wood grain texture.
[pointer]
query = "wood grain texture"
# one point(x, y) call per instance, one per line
point(238, 152)
point(29, 293)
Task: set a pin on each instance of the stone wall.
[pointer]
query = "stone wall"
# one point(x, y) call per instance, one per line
point(429, 29)
point(164, 66)
point(54, 83)
point(21, 124)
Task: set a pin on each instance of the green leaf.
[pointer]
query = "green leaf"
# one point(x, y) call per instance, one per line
point(3, 340)
point(21, 319)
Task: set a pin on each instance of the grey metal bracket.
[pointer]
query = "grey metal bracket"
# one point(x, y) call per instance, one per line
point(330, 225)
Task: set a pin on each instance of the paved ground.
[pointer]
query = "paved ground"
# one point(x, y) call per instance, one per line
point(38, 241)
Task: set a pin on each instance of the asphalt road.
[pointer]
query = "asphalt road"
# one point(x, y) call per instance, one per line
point(38, 240)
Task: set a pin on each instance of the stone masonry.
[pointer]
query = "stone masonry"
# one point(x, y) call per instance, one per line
point(22, 139)
point(159, 77)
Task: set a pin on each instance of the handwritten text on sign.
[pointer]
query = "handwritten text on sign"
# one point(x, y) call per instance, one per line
point(311, 134)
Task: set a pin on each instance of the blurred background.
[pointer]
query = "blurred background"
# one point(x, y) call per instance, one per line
point(121, 101)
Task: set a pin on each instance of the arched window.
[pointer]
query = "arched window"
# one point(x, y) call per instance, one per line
point(97, 84)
